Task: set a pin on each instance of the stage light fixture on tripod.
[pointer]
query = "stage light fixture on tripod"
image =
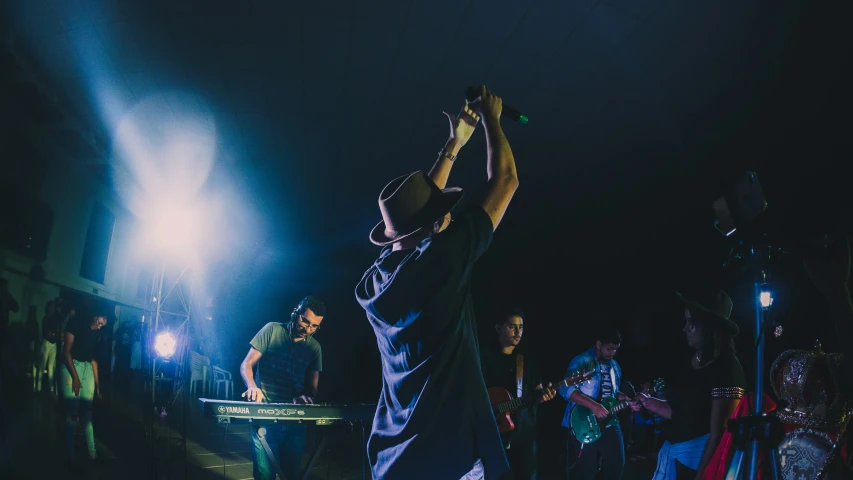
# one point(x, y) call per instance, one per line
point(165, 344)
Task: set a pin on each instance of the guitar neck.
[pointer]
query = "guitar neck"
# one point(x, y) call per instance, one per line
point(566, 382)
point(523, 402)
point(619, 407)
point(515, 404)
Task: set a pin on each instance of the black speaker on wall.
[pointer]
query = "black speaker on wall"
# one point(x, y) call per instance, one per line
point(96, 252)
point(25, 224)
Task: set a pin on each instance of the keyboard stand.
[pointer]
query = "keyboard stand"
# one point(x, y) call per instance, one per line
point(314, 455)
point(262, 436)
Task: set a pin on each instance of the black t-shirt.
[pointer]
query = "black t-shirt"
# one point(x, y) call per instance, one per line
point(85, 343)
point(690, 397)
point(433, 418)
point(499, 370)
point(284, 363)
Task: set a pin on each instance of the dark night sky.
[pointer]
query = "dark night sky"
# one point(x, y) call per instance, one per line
point(638, 111)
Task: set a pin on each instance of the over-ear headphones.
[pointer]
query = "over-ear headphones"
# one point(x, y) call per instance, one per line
point(294, 316)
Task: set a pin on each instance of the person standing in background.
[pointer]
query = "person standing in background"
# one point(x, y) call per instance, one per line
point(80, 382)
point(50, 326)
point(7, 304)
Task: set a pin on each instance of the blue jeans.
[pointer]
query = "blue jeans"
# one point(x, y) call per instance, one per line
point(287, 441)
point(79, 406)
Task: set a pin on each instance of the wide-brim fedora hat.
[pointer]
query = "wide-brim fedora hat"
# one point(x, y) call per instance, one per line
point(715, 303)
point(409, 204)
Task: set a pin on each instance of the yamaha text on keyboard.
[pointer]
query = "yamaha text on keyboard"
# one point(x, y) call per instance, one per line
point(226, 411)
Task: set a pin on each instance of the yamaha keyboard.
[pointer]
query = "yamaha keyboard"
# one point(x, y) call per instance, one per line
point(226, 411)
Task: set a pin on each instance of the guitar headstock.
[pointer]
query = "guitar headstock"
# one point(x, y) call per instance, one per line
point(576, 378)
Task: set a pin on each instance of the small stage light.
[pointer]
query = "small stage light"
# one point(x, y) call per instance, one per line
point(766, 299)
point(165, 344)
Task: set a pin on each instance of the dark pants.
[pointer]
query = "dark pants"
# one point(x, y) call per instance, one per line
point(522, 450)
point(287, 441)
point(609, 448)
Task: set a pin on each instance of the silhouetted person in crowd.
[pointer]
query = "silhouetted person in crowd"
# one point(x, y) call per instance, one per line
point(32, 338)
point(7, 304)
point(50, 326)
point(126, 335)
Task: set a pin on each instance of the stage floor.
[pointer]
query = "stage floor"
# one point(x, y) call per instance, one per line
point(33, 437)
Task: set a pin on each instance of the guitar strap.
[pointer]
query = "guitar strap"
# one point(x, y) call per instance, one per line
point(600, 382)
point(519, 375)
point(613, 380)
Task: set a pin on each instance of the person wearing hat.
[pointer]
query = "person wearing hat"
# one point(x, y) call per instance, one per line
point(433, 418)
point(708, 390)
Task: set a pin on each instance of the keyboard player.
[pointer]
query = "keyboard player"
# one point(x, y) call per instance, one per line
point(289, 361)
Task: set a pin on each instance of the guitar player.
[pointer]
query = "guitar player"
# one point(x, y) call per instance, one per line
point(583, 459)
point(500, 361)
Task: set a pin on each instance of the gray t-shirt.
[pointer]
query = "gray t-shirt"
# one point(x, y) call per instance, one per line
point(284, 363)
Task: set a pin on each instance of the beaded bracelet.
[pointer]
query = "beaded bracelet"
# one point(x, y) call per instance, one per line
point(727, 392)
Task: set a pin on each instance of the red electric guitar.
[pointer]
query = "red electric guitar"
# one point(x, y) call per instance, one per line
point(503, 402)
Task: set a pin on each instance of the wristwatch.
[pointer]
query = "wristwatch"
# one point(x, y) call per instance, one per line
point(444, 153)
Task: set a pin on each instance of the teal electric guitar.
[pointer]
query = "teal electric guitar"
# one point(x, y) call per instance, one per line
point(587, 429)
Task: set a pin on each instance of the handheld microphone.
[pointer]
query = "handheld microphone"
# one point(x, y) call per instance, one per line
point(473, 92)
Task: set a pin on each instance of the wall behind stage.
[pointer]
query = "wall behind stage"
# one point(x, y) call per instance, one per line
point(68, 188)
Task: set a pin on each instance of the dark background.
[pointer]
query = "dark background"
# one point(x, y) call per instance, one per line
point(639, 110)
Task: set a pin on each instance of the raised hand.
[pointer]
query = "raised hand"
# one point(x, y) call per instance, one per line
point(488, 105)
point(463, 125)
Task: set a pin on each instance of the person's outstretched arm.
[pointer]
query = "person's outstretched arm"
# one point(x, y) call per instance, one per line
point(500, 166)
point(461, 129)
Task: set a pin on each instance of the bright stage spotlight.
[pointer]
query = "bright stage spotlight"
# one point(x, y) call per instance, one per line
point(766, 299)
point(165, 344)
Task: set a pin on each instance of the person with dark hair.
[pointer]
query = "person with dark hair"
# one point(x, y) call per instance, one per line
point(605, 382)
point(433, 418)
point(289, 362)
point(507, 369)
point(80, 383)
point(707, 392)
